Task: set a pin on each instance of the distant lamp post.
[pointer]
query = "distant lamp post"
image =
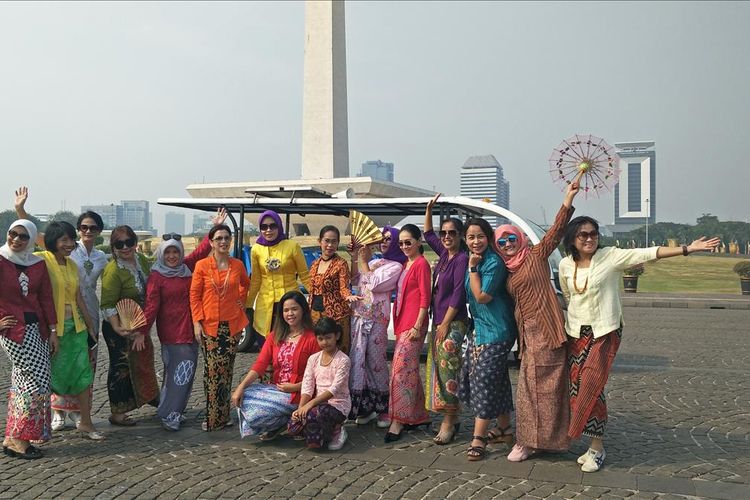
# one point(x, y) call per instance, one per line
point(648, 206)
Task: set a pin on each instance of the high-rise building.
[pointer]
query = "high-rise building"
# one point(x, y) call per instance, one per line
point(111, 214)
point(201, 223)
point(482, 179)
point(136, 215)
point(377, 170)
point(635, 191)
point(174, 222)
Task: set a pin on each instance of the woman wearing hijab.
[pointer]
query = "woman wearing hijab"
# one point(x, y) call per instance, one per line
point(168, 304)
point(277, 263)
point(376, 280)
point(542, 412)
point(28, 335)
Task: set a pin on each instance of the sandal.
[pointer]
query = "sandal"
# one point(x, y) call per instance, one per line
point(439, 440)
point(500, 435)
point(125, 421)
point(476, 453)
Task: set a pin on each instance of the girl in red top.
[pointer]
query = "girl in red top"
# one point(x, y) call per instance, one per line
point(410, 325)
point(265, 409)
point(168, 304)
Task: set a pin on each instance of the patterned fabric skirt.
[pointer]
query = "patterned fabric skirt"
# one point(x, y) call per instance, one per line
point(406, 404)
point(177, 382)
point(368, 376)
point(345, 324)
point(542, 403)
point(70, 368)
point(484, 383)
point(320, 425)
point(590, 361)
point(264, 408)
point(29, 416)
point(218, 354)
point(131, 381)
point(444, 367)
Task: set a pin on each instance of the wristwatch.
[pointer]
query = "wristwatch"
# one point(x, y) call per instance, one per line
point(684, 250)
point(473, 269)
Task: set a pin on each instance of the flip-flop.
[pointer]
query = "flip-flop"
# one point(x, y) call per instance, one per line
point(125, 422)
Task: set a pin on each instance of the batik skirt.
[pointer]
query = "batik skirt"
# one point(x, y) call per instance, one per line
point(321, 423)
point(29, 416)
point(443, 368)
point(177, 382)
point(131, 380)
point(484, 385)
point(406, 403)
point(368, 376)
point(264, 408)
point(590, 361)
point(218, 354)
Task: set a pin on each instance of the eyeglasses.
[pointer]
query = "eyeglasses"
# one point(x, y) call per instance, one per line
point(269, 227)
point(387, 239)
point(129, 243)
point(405, 243)
point(512, 238)
point(329, 241)
point(86, 228)
point(221, 238)
point(171, 236)
point(21, 236)
point(583, 235)
point(450, 232)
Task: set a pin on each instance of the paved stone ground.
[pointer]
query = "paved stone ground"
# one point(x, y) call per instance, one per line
point(679, 402)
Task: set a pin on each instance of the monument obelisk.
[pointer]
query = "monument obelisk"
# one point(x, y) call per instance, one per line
point(325, 129)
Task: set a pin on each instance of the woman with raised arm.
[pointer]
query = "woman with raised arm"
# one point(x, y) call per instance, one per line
point(278, 266)
point(168, 304)
point(484, 383)
point(542, 412)
point(450, 321)
point(375, 279)
point(590, 282)
point(28, 335)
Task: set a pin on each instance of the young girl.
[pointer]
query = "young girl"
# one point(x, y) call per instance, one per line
point(264, 409)
point(325, 399)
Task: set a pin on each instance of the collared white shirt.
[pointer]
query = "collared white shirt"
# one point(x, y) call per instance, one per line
point(90, 267)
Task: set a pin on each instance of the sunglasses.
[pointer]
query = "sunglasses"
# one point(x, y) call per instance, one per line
point(20, 236)
point(86, 228)
point(450, 232)
point(171, 236)
point(405, 243)
point(269, 227)
point(387, 238)
point(583, 235)
point(221, 238)
point(129, 243)
point(512, 238)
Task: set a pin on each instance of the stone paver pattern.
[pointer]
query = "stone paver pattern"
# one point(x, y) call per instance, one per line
point(679, 404)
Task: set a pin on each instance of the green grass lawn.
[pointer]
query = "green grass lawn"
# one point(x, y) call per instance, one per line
point(696, 273)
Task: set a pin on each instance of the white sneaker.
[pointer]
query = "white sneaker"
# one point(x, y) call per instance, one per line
point(366, 419)
point(383, 421)
point(58, 420)
point(338, 440)
point(594, 461)
point(582, 459)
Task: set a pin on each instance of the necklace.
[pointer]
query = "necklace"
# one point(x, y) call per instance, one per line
point(221, 291)
point(575, 281)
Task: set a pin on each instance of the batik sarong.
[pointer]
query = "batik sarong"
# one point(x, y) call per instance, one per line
point(177, 382)
point(264, 408)
point(29, 416)
point(218, 353)
point(319, 426)
point(406, 404)
point(368, 376)
point(443, 368)
point(590, 361)
point(484, 383)
point(70, 368)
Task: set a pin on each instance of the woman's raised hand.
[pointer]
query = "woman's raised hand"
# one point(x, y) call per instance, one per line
point(703, 245)
point(22, 194)
point(220, 217)
point(432, 202)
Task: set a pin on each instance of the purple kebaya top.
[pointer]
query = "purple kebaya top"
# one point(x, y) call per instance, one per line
point(448, 283)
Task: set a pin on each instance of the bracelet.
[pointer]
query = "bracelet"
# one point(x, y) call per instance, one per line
point(685, 250)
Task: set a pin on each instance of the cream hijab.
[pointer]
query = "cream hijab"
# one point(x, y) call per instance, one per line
point(26, 256)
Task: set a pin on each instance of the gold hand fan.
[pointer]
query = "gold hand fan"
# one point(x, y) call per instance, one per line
point(131, 314)
point(364, 230)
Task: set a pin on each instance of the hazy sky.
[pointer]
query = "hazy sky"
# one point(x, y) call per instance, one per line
point(107, 101)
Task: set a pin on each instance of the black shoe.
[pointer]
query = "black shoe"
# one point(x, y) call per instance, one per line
point(391, 437)
point(31, 453)
point(411, 427)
